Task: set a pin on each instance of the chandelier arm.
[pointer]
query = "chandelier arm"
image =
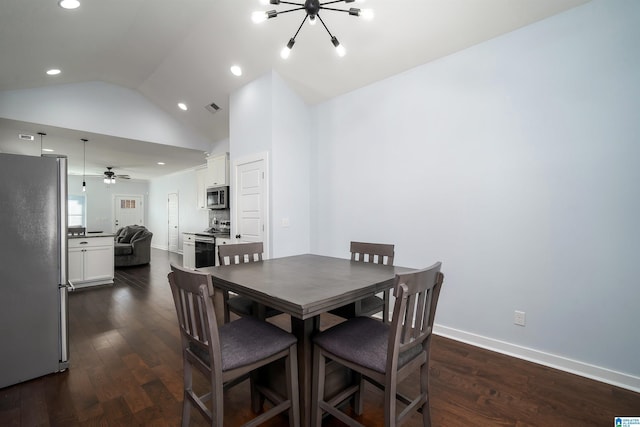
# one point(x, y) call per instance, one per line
point(296, 4)
point(334, 9)
point(329, 2)
point(290, 10)
point(324, 25)
point(300, 27)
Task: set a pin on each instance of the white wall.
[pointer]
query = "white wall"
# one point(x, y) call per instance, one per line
point(267, 116)
point(102, 108)
point(191, 219)
point(100, 199)
point(290, 172)
point(514, 162)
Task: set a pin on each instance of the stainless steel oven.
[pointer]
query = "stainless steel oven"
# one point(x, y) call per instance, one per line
point(205, 251)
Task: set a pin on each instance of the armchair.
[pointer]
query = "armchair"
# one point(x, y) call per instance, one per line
point(132, 246)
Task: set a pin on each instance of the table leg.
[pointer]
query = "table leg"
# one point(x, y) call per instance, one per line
point(304, 331)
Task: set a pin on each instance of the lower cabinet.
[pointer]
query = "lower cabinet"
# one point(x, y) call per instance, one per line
point(91, 261)
point(188, 251)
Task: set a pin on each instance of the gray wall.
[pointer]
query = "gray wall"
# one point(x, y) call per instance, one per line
point(514, 162)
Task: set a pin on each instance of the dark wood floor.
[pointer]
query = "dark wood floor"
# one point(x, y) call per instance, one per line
point(126, 370)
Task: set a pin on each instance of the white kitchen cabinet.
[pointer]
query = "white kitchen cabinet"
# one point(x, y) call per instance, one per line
point(201, 187)
point(218, 170)
point(90, 261)
point(188, 250)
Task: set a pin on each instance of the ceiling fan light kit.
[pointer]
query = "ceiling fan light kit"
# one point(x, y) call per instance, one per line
point(312, 10)
point(109, 176)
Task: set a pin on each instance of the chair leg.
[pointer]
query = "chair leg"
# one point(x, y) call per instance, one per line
point(257, 399)
point(390, 391)
point(319, 364)
point(385, 313)
point(358, 397)
point(217, 402)
point(291, 363)
point(186, 403)
point(424, 390)
point(227, 315)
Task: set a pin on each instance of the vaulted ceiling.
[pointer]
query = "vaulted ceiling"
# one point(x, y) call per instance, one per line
point(181, 51)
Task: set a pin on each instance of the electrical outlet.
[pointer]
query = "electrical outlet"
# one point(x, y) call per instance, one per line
point(519, 318)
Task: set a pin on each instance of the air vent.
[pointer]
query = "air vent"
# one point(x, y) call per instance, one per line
point(25, 137)
point(213, 108)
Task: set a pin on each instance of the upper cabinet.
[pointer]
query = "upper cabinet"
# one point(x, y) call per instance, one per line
point(201, 181)
point(218, 170)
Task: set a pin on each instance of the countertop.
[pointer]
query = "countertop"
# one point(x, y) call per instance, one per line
point(89, 235)
point(218, 234)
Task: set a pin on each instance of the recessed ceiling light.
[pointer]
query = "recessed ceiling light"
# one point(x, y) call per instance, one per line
point(236, 70)
point(48, 150)
point(161, 163)
point(53, 72)
point(182, 106)
point(69, 4)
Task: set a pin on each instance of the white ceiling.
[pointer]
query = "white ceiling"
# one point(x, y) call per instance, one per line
point(173, 51)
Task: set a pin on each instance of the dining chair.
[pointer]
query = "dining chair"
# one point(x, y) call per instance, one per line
point(241, 253)
point(382, 354)
point(227, 354)
point(377, 253)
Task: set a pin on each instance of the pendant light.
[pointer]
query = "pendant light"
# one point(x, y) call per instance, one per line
point(84, 163)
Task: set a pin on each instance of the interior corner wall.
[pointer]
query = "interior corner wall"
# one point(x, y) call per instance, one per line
point(290, 172)
point(515, 163)
point(101, 108)
point(267, 116)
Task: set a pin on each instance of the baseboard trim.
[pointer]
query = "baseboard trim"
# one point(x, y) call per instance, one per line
point(608, 376)
point(162, 247)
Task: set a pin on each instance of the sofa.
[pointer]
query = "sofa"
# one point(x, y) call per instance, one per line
point(132, 246)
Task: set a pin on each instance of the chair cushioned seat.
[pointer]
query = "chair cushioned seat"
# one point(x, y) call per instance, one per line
point(367, 305)
point(244, 306)
point(122, 249)
point(364, 341)
point(247, 340)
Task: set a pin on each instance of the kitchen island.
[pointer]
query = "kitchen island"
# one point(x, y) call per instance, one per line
point(91, 260)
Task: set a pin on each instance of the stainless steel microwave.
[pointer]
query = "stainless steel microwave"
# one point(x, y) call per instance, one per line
point(218, 197)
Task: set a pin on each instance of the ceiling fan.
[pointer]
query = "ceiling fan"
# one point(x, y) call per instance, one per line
point(110, 176)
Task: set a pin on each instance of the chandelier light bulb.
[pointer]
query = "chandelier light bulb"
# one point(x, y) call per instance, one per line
point(286, 51)
point(312, 20)
point(340, 50)
point(366, 14)
point(259, 16)
point(84, 186)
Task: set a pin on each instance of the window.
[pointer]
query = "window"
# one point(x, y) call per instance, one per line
point(77, 211)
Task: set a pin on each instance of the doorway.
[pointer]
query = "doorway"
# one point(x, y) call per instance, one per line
point(251, 200)
point(173, 205)
point(128, 210)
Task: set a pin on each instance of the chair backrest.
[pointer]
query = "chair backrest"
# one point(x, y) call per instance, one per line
point(377, 253)
point(192, 295)
point(414, 311)
point(240, 253)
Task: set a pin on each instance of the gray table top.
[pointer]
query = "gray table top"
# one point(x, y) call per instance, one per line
point(305, 285)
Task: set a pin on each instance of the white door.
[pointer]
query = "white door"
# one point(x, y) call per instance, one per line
point(173, 220)
point(251, 213)
point(129, 210)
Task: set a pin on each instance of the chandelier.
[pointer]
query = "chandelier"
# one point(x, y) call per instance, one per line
point(312, 9)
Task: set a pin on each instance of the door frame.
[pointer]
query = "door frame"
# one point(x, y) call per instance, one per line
point(235, 164)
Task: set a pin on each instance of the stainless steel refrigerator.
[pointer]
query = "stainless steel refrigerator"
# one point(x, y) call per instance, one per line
point(33, 267)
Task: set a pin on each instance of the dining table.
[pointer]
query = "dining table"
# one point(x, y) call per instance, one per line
point(304, 287)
